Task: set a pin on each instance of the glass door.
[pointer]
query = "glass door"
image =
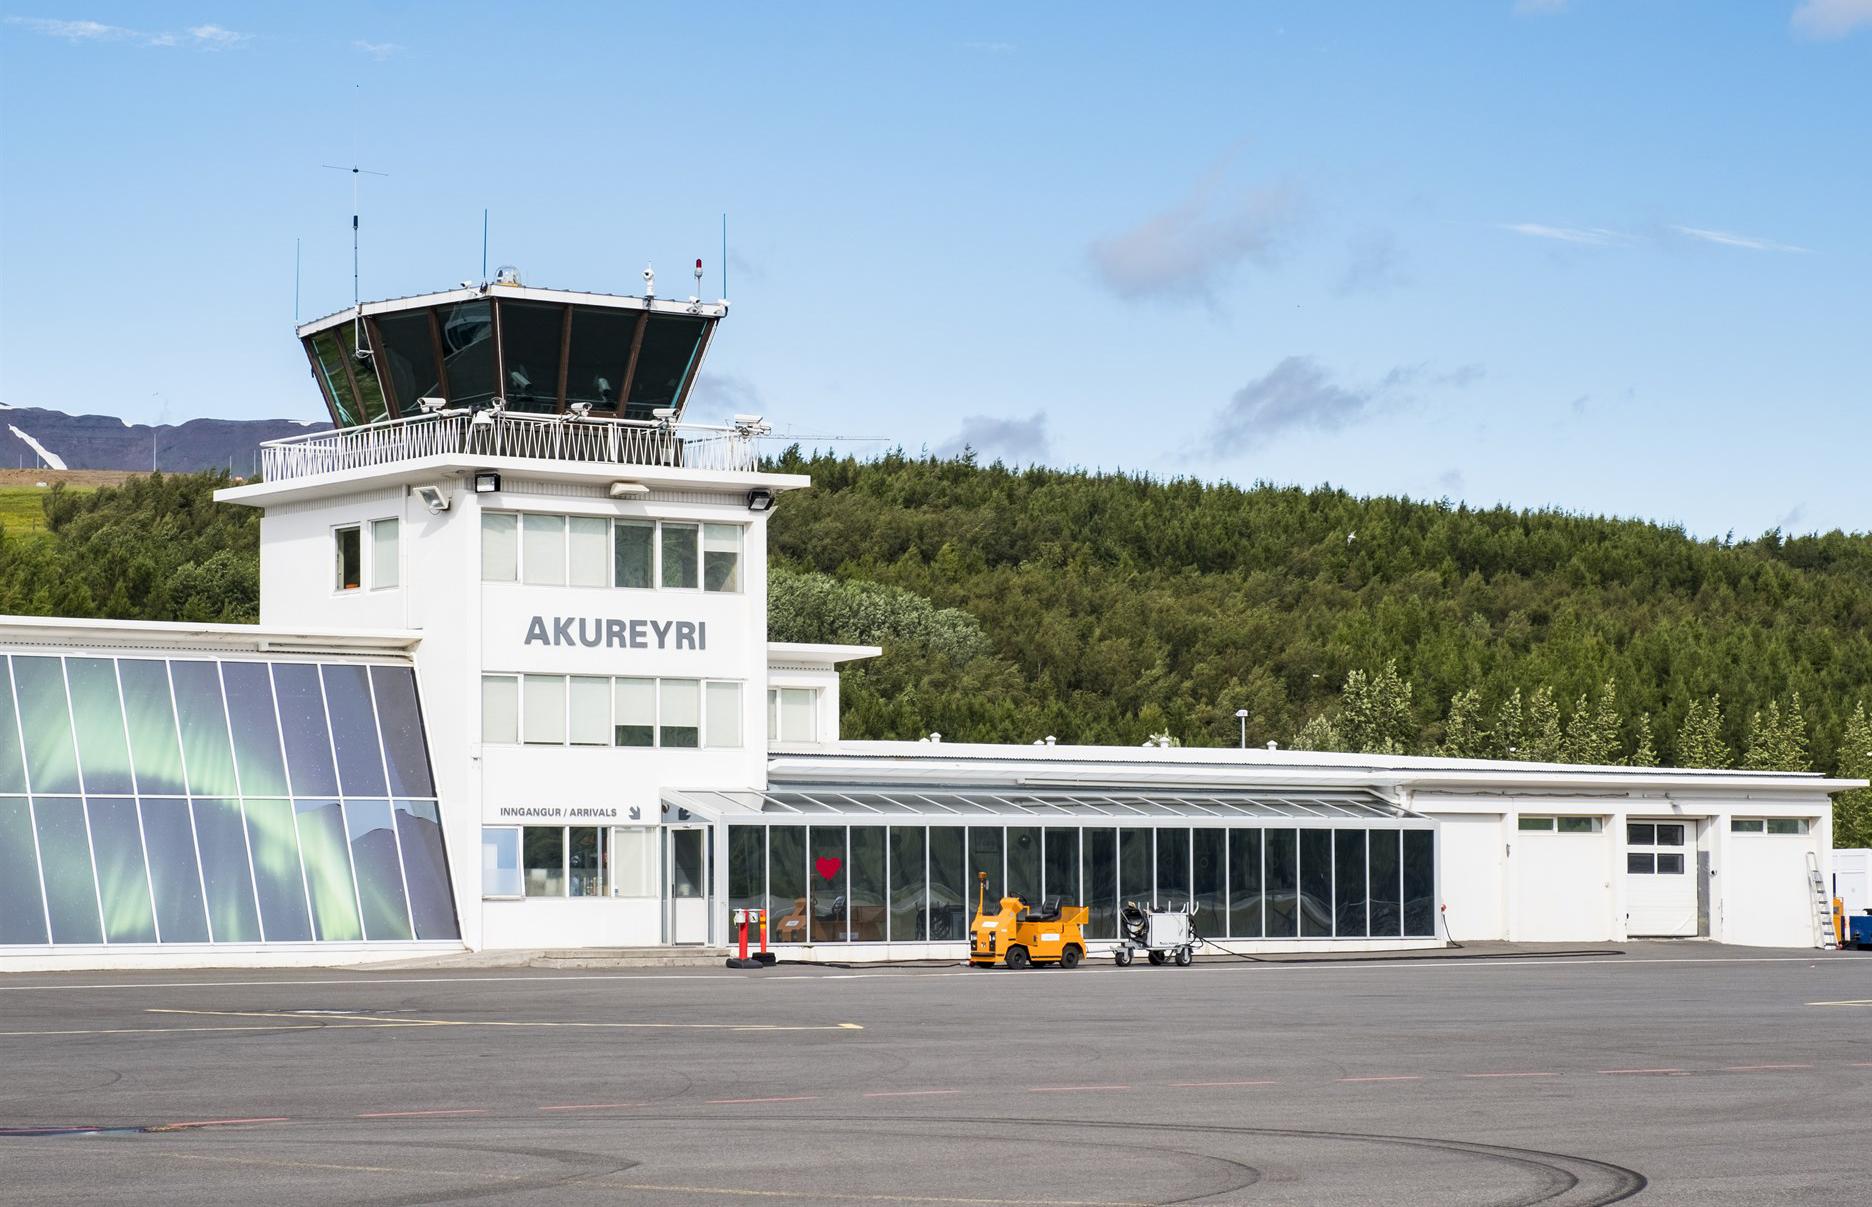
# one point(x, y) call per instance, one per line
point(685, 884)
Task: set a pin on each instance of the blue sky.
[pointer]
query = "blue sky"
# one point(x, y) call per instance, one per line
point(1603, 256)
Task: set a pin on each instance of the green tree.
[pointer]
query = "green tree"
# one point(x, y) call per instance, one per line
point(1778, 741)
point(1463, 734)
point(1510, 736)
point(1699, 740)
point(1852, 811)
point(1375, 713)
point(1592, 733)
point(1319, 733)
point(1644, 753)
point(1545, 741)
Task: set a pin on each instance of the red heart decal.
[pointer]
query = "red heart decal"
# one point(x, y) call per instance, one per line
point(828, 866)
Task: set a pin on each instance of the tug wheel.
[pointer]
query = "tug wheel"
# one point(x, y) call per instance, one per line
point(1070, 957)
point(1158, 957)
point(1183, 957)
point(1122, 957)
point(1017, 957)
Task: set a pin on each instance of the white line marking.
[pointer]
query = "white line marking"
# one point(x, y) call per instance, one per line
point(1394, 1077)
point(1511, 1074)
point(1071, 1089)
point(1195, 1085)
point(413, 1114)
point(1659, 1071)
point(907, 1093)
point(742, 1101)
point(1760, 1068)
point(593, 1106)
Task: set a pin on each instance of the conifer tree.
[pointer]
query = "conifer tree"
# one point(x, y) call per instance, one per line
point(1463, 734)
point(1510, 740)
point(1545, 742)
point(1852, 811)
point(1319, 733)
point(1700, 741)
point(1645, 753)
point(1592, 734)
point(1777, 741)
point(1375, 713)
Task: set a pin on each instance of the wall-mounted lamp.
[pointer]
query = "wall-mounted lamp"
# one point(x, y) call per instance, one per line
point(760, 500)
point(628, 490)
point(487, 482)
point(435, 498)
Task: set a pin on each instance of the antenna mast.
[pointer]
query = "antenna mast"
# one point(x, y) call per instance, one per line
point(362, 350)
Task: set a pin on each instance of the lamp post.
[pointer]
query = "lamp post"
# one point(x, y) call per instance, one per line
point(1241, 714)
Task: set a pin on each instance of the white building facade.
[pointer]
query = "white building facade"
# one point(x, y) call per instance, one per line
point(512, 689)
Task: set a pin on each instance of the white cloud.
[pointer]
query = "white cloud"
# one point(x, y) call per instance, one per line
point(1013, 440)
point(202, 37)
point(1298, 394)
point(1590, 236)
point(1831, 20)
point(1731, 239)
point(376, 50)
point(1185, 252)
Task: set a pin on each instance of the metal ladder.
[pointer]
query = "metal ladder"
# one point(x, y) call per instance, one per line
point(1825, 938)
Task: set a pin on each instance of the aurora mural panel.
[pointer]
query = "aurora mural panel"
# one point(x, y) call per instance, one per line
point(262, 814)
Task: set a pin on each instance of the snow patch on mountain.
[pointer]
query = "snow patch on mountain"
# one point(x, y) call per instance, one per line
point(52, 459)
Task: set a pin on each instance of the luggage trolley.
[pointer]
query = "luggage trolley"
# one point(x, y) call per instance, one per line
point(1162, 934)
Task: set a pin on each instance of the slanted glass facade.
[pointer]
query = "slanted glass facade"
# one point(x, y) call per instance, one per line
point(840, 864)
point(191, 800)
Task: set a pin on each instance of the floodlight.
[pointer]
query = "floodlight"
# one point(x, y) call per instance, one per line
point(435, 498)
point(487, 482)
point(760, 500)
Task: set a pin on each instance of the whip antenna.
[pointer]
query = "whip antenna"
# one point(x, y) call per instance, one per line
point(357, 308)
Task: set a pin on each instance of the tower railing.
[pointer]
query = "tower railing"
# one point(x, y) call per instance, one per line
point(491, 433)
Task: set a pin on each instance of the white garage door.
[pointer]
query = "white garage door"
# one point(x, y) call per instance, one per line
point(1561, 883)
point(1660, 878)
point(1469, 848)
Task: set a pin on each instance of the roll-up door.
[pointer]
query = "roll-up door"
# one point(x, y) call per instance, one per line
point(1660, 878)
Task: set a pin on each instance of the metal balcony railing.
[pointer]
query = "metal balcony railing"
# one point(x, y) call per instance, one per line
point(501, 434)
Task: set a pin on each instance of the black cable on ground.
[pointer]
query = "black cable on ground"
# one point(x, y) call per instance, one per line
point(1443, 913)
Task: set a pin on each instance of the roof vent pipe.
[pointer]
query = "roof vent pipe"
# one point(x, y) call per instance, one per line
point(1050, 739)
point(935, 737)
point(1273, 745)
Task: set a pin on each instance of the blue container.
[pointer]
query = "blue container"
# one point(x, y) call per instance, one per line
point(1859, 930)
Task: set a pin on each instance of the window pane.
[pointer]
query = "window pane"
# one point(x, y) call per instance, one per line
point(1062, 865)
point(1535, 823)
point(409, 358)
point(543, 552)
point(1023, 863)
point(679, 554)
point(868, 900)
point(773, 717)
point(1419, 883)
point(799, 714)
point(950, 892)
point(721, 557)
point(1134, 866)
point(65, 858)
point(425, 870)
point(1206, 888)
point(123, 880)
point(786, 883)
point(545, 861)
point(328, 871)
point(828, 913)
point(500, 709)
point(1670, 865)
point(724, 715)
point(600, 351)
point(1244, 916)
point(1101, 883)
point(544, 712)
point(203, 719)
point(349, 565)
point(585, 862)
point(985, 856)
point(354, 730)
point(277, 875)
point(151, 720)
point(669, 347)
point(175, 877)
point(103, 754)
point(229, 881)
point(679, 713)
point(1387, 899)
point(909, 882)
point(330, 360)
point(45, 719)
point(22, 911)
point(631, 552)
point(256, 729)
point(532, 335)
point(1670, 835)
point(586, 541)
point(12, 766)
point(1282, 877)
point(1786, 825)
point(747, 877)
point(1637, 863)
point(1745, 825)
point(1577, 825)
point(500, 547)
point(1173, 867)
point(386, 562)
point(225, 872)
point(633, 861)
point(1640, 834)
point(370, 391)
point(634, 723)
point(590, 706)
point(468, 351)
point(302, 721)
point(687, 859)
point(1315, 883)
point(500, 862)
point(1349, 914)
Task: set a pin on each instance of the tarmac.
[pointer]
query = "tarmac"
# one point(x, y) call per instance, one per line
point(1646, 1072)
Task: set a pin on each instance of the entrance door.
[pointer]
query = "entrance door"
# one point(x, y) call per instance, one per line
point(685, 883)
point(1660, 887)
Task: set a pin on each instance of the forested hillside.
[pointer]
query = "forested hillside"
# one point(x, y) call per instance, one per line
point(1014, 604)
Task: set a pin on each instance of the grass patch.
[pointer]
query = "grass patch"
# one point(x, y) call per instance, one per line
point(20, 513)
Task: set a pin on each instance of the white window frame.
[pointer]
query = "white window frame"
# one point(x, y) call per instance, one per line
point(655, 525)
point(337, 534)
point(519, 841)
point(1803, 826)
point(776, 703)
point(396, 566)
point(517, 681)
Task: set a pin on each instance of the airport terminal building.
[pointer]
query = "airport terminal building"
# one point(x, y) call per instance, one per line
point(512, 689)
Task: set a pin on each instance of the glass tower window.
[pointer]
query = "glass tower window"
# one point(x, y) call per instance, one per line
point(468, 351)
point(532, 337)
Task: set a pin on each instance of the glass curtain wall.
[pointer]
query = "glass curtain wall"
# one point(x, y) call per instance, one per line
point(154, 800)
point(914, 883)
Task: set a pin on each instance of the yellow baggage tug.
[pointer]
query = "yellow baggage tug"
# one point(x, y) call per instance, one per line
point(1022, 936)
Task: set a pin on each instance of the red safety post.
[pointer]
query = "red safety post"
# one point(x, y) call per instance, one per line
point(741, 918)
point(765, 956)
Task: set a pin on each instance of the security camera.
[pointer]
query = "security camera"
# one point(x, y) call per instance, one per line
point(649, 276)
point(664, 413)
point(430, 403)
point(581, 409)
